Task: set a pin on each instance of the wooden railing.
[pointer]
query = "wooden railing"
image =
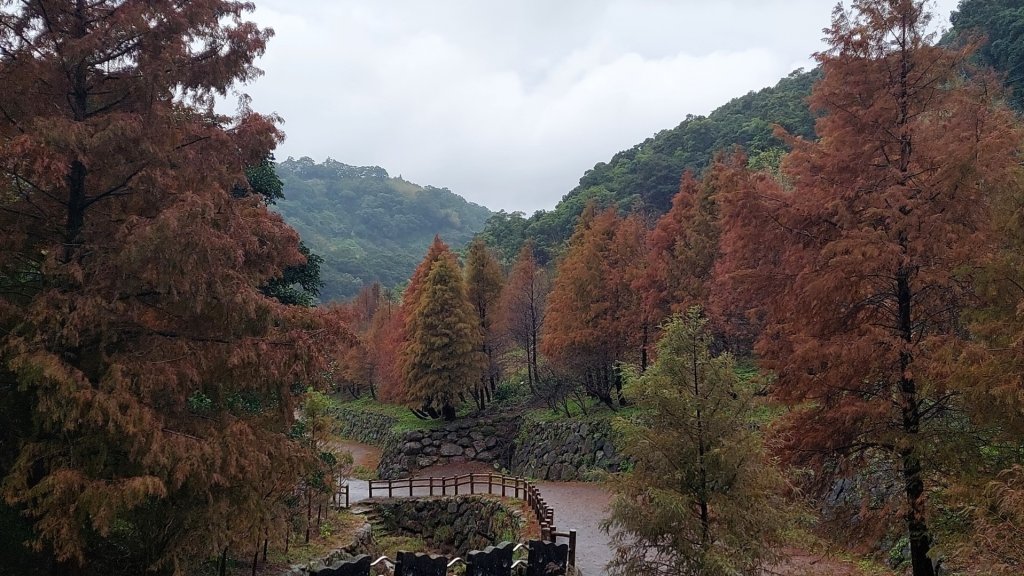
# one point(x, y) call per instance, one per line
point(493, 484)
point(340, 497)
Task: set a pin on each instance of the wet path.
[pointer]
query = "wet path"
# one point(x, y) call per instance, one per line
point(582, 506)
point(578, 506)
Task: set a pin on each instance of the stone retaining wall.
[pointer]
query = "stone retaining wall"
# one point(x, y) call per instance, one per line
point(557, 450)
point(365, 427)
point(564, 450)
point(487, 440)
point(451, 525)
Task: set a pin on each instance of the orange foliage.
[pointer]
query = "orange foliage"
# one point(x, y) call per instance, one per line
point(593, 319)
point(861, 270)
point(159, 378)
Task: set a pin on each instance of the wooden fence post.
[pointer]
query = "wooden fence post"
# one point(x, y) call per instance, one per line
point(572, 548)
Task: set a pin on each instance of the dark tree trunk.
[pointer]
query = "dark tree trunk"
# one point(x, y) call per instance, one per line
point(705, 516)
point(913, 479)
point(448, 412)
point(643, 348)
point(309, 513)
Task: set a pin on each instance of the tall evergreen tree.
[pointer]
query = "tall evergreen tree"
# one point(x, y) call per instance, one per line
point(522, 306)
point(581, 330)
point(702, 499)
point(442, 354)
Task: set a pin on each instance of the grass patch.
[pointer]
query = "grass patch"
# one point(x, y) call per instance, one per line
point(361, 472)
point(389, 545)
point(595, 411)
point(405, 420)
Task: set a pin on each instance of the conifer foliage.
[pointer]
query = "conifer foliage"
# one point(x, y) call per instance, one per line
point(702, 499)
point(593, 318)
point(443, 357)
point(523, 305)
point(157, 375)
point(484, 281)
point(870, 257)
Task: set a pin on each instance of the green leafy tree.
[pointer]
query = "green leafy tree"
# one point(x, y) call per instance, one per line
point(316, 429)
point(442, 354)
point(298, 284)
point(702, 498)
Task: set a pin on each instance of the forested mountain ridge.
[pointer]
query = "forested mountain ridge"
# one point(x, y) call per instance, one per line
point(644, 178)
point(367, 225)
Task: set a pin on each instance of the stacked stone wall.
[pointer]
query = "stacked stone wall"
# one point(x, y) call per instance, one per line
point(564, 450)
point(452, 525)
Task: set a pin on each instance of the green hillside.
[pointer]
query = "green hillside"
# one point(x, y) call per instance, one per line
point(645, 177)
point(366, 225)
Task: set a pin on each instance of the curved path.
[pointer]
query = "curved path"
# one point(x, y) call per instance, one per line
point(582, 506)
point(578, 506)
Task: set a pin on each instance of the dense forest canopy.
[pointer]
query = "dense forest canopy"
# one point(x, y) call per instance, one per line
point(368, 226)
point(999, 24)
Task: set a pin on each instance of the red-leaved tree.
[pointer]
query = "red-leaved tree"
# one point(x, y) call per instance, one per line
point(865, 265)
point(158, 378)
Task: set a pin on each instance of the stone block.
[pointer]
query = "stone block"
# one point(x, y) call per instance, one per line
point(449, 449)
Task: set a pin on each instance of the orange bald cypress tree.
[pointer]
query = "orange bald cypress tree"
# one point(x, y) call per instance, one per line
point(522, 306)
point(682, 249)
point(591, 321)
point(872, 252)
point(443, 355)
point(158, 377)
point(484, 282)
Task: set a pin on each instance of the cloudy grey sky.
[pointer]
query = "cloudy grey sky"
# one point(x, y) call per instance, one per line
point(508, 103)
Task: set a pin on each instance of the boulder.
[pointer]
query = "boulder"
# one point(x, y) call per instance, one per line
point(448, 449)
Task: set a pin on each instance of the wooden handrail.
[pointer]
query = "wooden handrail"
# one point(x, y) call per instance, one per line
point(522, 489)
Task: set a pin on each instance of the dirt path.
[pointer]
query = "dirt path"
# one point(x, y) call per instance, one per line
point(582, 506)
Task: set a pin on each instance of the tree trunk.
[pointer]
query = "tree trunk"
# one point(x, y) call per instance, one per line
point(532, 355)
point(705, 517)
point(309, 513)
point(617, 378)
point(913, 480)
point(448, 412)
point(643, 348)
